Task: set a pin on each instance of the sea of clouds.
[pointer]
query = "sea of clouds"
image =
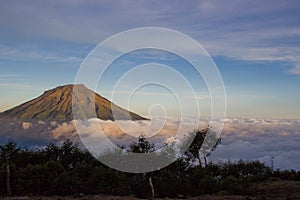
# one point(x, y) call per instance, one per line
point(247, 139)
point(261, 139)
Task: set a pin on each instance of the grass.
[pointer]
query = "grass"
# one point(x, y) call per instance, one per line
point(269, 190)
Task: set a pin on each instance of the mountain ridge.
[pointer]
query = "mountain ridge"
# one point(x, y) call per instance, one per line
point(61, 102)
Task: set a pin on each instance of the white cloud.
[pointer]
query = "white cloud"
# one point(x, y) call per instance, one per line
point(26, 125)
point(248, 139)
point(118, 129)
point(261, 139)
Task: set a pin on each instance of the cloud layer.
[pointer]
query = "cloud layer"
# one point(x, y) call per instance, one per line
point(248, 139)
point(262, 140)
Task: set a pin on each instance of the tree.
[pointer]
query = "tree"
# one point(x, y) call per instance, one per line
point(143, 146)
point(204, 142)
point(6, 151)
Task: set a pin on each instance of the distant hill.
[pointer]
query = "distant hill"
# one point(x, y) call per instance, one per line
point(59, 103)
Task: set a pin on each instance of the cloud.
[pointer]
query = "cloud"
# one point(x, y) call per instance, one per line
point(261, 139)
point(25, 54)
point(26, 125)
point(8, 76)
point(247, 139)
point(295, 69)
point(119, 129)
point(64, 130)
point(126, 92)
point(99, 135)
point(20, 86)
point(234, 29)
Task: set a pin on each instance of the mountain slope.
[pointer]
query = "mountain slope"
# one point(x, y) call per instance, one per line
point(60, 103)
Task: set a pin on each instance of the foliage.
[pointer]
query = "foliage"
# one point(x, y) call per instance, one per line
point(141, 146)
point(68, 170)
point(200, 143)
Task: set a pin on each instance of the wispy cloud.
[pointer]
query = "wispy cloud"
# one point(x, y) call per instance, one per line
point(10, 75)
point(14, 77)
point(257, 96)
point(296, 69)
point(21, 86)
point(7, 52)
point(158, 94)
point(248, 30)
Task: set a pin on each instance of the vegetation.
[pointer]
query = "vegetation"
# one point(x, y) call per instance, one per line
point(67, 170)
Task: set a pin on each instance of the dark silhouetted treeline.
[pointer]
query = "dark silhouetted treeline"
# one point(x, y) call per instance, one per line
point(67, 170)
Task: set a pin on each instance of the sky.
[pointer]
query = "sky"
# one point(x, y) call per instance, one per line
point(254, 44)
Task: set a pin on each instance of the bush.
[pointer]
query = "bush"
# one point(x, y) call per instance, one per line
point(67, 170)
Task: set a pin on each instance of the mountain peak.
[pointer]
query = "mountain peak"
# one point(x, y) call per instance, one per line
point(68, 87)
point(58, 104)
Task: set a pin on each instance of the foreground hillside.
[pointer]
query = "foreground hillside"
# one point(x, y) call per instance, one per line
point(271, 190)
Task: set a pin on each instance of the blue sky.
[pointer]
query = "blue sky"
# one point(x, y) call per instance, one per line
point(255, 44)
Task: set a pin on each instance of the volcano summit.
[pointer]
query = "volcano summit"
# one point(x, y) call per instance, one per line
point(50, 117)
point(56, 105)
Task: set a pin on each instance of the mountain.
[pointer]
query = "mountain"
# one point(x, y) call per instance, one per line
point(58, 104)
